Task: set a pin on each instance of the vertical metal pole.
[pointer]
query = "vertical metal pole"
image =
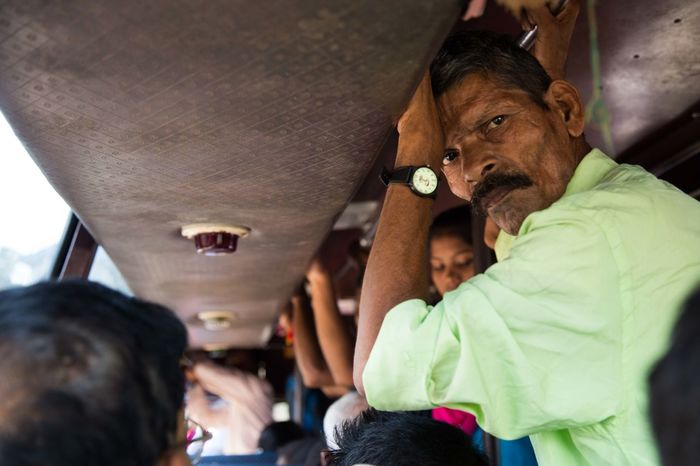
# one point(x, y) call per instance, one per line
point(63, 250)
point(77, 260)
point(483, 258)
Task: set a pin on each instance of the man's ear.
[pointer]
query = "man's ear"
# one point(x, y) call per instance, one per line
point(564, 99)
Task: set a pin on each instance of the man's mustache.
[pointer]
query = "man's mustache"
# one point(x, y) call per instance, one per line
point(494, 181)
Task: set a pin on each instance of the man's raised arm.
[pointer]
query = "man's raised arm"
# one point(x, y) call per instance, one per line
point(396, 270)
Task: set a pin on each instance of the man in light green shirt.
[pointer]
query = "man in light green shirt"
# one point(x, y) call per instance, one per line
point(556, 340)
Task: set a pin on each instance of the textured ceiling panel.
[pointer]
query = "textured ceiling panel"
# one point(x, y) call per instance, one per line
point(146, 116)
point(649, 65)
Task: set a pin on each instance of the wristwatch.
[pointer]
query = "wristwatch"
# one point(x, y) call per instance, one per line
point(422, 180)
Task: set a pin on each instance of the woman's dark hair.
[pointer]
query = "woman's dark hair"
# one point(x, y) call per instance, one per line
point(493, 55)
point(278, 434)
point(402, 439)
point(453, 222)
point(89, 376)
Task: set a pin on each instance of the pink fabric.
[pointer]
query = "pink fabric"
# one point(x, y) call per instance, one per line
point(463, 420)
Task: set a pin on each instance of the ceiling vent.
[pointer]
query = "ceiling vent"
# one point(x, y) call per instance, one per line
point(215, 239)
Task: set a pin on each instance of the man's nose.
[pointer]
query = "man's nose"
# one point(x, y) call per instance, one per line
point(475, 168)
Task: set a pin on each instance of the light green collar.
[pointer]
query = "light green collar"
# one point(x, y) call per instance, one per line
point(592, 168)
point(503, 243)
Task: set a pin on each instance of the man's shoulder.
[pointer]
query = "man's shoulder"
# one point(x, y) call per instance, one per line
point(626, 194)
point(632, 177)
point(627, 189)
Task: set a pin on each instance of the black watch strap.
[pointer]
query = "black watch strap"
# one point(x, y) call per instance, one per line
point(404, 175)
point(398, 175)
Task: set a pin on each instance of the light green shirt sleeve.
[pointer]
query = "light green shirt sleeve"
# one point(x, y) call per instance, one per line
point(532, 344)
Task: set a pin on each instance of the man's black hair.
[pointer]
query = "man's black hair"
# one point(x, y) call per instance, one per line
point(401, 439)
point(675, 391)
point(87, 376)
point(453, 222)
point(492, 55)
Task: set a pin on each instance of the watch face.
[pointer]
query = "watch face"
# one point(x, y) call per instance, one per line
point(424, 180)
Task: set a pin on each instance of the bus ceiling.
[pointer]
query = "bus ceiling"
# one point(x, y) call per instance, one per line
point(275, 116)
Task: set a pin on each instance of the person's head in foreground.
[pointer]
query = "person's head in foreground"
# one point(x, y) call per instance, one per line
point(513, 137)
point(89, 376)
point(451, 253)
point(675, 391)
point(344, 409)
point(401, 439)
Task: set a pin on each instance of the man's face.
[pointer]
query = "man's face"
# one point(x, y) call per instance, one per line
point(504, 153)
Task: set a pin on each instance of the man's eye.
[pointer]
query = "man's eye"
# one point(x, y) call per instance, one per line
point(449, 157)
point(498, 121)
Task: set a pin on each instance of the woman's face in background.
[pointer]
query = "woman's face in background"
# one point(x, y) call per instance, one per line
point(451, 262)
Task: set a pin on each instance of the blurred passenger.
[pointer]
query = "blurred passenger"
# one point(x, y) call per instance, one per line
point(451, 264)
point(291, 444)
point(401, 439)
point(89, 376)
point(324, 344)
point(305, 451)
point(318, 390)
point(675, 391)
point(336, 342)
point(241, 405)
point(334, 338)
point(278, 434)
point(451, 250)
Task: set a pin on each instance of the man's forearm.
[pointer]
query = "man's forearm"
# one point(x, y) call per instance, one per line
point(307, 352)
point(397, 265)
point(333, 337)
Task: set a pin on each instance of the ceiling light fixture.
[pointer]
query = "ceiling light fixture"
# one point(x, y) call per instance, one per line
point(216, 320)
point(215, 239)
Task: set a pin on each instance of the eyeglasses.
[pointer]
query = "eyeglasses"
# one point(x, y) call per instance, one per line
point(195, 438)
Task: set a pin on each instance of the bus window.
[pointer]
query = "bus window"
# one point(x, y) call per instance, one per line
point(33, 216)
point(105, 272)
